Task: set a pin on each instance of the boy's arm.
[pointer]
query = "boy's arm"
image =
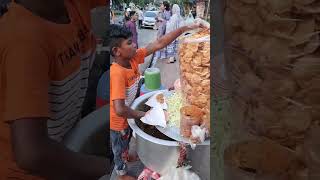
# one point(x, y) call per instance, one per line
point(168, 38)
point(36, 152)
point(126, 112)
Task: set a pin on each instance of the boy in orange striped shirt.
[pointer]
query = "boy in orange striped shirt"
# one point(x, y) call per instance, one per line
point(124, 79)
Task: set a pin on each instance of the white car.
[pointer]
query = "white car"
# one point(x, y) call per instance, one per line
point(149, 19)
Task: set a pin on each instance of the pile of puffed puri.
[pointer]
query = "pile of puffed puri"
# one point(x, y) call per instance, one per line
point(274, 57)
point(194, 57)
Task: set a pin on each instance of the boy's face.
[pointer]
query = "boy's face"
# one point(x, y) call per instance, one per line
point(127, 50)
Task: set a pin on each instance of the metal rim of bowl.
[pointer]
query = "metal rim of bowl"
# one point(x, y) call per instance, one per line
point(146, 136)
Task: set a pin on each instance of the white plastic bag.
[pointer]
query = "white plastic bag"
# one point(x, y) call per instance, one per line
point(189, 20)
point(180, 174)
point(155, 117)
point(199, 134)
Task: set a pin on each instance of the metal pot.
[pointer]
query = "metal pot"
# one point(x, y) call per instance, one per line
point(159, 155)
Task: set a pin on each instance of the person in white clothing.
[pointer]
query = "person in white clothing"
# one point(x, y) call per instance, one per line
point(140, 14)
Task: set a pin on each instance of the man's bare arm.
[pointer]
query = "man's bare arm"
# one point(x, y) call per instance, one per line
point(35, 152)
point(124, 111)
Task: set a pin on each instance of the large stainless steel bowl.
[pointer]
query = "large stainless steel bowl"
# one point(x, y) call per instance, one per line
point(160, 155)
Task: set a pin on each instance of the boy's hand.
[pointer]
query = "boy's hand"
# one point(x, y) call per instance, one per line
point(192, 26)
point(126, 112)
point(170, 37)
point(195, 26)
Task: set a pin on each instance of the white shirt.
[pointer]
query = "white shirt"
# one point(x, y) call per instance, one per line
point(140, 14)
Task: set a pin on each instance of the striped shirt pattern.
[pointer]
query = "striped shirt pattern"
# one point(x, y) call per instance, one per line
point(66, 98)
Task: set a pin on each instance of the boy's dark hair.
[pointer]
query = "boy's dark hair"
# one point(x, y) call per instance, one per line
point(132, 13)
point(116, 35)
point(166, 5)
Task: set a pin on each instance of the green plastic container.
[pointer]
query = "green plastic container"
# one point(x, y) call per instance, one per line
point(152, 79)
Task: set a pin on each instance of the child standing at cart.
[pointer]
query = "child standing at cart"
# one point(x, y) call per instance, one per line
point(124, 79)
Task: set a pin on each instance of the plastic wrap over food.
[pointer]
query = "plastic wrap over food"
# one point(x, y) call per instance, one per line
point(194, 57)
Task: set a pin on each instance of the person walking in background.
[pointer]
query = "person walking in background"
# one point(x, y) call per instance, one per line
point(125, 16)
point(173, 24)
point(194, 12)
point(140, 14)
point(131, 25)
point(112, 17)
point(163, 16)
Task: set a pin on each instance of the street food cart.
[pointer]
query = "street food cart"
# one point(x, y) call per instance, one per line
point(159, 148)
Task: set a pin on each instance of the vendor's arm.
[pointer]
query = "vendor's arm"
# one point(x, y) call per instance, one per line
point(168, 38)
point(118, 95)
point(126, 112)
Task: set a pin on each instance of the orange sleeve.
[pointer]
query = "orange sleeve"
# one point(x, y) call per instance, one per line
point(141, 54)
point(27, 80)
point(118, 85)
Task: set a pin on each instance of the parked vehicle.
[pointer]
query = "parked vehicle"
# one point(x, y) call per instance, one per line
point(149, 19)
